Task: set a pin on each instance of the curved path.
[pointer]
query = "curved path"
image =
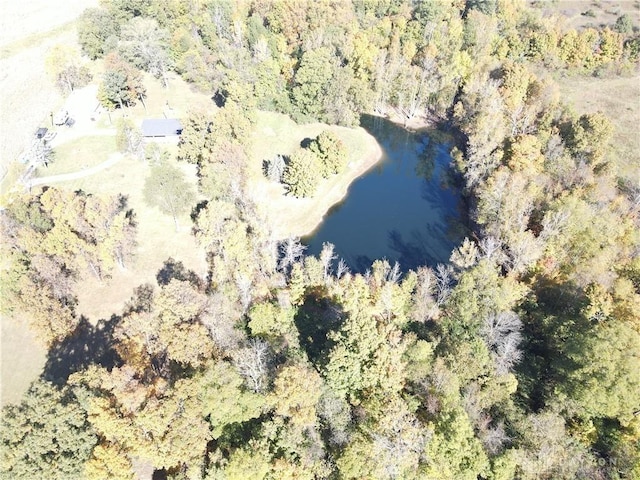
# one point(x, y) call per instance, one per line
point(64, 177)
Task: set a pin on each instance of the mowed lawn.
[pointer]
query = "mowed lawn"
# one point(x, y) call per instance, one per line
point(22, 356)
point(78, 154)
point(277, 134)
point(157, 239)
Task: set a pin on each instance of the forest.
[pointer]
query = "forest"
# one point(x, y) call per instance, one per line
point(517, 359)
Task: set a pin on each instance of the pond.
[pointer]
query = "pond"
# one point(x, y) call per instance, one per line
point(405, 209)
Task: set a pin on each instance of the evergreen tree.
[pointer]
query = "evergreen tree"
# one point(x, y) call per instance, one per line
point(331, 152)
point(302, 173)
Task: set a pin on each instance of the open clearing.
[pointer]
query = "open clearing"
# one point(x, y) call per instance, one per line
point(619, 99)
point(278, 134)
point(92, 141)
point(595, 13)
point(616, 97)
point(79, 154)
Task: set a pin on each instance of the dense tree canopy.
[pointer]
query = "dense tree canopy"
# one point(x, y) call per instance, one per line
point(46, 436)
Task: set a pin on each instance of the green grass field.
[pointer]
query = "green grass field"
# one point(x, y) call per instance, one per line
point(79, 154)
point(276, 134)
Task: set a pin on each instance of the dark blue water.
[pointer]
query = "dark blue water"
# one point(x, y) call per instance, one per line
point(404, 209)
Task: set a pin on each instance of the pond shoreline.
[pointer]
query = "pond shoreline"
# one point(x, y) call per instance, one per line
point(299, 217)
point(405, 209)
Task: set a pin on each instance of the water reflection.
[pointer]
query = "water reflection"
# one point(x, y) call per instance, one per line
point(403, 209)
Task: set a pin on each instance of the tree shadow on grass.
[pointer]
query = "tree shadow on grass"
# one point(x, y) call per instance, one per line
point(85, 346)
point(175, 269)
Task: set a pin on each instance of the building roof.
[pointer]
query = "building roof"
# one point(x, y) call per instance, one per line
point(161, 127)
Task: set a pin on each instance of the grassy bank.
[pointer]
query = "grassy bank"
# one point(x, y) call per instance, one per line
point(278, 134)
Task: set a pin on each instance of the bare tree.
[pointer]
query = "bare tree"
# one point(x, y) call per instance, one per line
point(290, 251)
point(425, 306)
point(243, 282)
point(502, 334)
point(416, 86)
point(400, 445)
point(491, 248)
point(342, 269)
point(253, 363)
point(497, 326)
point(42, 153)
point(554, 222)
point(524, 250)
point(554, 148)
point(444, 282)
point(145, 44)
point(507, 353)
point(393, 275)
point(220, 320)
point(275, 168)
point(129, 138)
point(327, 256)
point(493, 437)
point(336, 414)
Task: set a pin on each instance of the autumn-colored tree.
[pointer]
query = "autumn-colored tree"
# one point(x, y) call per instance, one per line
point(297, 391)
point(121, 84)
point(170, 331)
point(65, 65)
point(51, 239)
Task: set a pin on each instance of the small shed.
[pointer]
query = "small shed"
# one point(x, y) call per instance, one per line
point(158, 128)
point(40, 133)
